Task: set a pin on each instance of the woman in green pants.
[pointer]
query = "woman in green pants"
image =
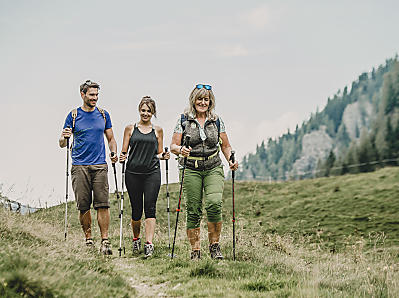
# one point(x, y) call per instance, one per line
point(204, 170)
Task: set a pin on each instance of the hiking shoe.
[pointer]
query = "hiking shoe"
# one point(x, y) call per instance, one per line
point(195, 255)
point(105, 247)
point(89, 242)
point(214, 249)
point(136, 245)
point(148, 249)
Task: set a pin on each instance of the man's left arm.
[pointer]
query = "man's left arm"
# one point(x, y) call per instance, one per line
point(109, 134)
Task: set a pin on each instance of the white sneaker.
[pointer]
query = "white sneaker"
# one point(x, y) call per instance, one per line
point(148, 249)
point(136, 246)
point(105, 247)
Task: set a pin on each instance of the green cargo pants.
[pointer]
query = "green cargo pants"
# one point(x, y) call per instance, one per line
point(195, 183)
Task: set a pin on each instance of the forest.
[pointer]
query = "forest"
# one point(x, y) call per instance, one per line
point(357, 131)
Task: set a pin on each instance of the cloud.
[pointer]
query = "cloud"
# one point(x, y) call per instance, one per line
point(140, 45)
point(244, 139)
point(233, 51)
point(257, 18)
point(273, 128)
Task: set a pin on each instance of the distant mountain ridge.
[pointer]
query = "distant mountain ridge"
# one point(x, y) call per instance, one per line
point(334, 137)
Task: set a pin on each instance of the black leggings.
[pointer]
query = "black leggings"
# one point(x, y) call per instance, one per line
point(139, 184)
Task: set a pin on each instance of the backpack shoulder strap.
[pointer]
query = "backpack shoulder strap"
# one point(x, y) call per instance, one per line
point(218, 126)
point(74, 114)
point(102, 113)
point(183, 122)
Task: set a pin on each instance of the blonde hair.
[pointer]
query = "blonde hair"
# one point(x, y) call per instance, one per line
point(147, 100)
point(199, 93)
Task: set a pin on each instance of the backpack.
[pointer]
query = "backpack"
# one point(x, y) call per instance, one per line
point(74, 114)
point(183, 120)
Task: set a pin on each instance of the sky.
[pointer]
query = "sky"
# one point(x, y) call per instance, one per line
point(270, 63)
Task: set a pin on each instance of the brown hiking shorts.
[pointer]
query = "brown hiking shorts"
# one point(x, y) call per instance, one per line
point(90, 184)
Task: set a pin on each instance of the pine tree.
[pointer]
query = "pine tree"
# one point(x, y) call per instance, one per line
point(379, 87)
point(351, 159)
point(364, 152)
point(329, 163)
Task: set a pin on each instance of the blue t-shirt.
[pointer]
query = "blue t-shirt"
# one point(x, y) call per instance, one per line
point(88, 146)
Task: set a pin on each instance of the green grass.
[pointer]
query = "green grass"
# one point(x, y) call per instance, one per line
point(328, 237)
point(37, 262)
point(331, 210)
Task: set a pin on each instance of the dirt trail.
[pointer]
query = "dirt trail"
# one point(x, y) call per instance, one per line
point(128, 269)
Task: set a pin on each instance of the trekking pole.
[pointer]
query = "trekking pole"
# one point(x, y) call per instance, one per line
point(167, 194)
point(116, 181)
point(186, 144)
point(121, 212)
point(66, 188)
point(234, 215)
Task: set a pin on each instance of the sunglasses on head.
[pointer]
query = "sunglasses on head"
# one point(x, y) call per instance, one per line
point(89, 83)
point(200, 86)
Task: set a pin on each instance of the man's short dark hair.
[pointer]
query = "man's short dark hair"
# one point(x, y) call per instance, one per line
point(88, 84)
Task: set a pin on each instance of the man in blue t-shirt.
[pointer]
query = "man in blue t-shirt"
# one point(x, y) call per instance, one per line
point(89, 172)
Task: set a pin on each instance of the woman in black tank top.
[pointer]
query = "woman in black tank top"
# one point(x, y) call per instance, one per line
point(143, 152)
point(144, 141)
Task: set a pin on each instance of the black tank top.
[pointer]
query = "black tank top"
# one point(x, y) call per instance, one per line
point(143, 152)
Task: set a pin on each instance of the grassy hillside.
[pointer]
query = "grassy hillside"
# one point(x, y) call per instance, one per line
point(331, 210)
point(313, 238)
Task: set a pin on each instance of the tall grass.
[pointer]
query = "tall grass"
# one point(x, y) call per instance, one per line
point(35, 261)
point(300, 239)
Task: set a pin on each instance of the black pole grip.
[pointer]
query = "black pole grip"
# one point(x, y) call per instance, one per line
point(113, 164)
point(67, 138)
point(187, 141)
point(123, 164)
point(166, 150)
point(167, 166)
point(232, 158)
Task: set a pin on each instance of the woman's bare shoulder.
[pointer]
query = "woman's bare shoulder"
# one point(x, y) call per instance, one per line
point(158, 129)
